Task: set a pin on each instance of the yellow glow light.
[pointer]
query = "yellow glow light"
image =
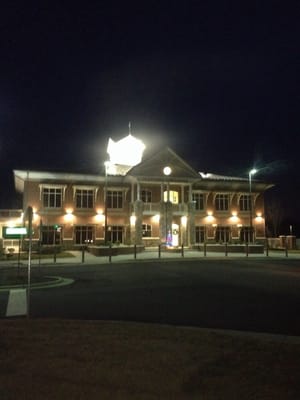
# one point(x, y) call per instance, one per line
point(156, 218)
point(132, 220)
point(69, 215)
point(234, 218)
point(210, 218)
point(184, 220)
point(99, 217)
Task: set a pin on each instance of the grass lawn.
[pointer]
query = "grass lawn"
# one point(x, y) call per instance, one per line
point(64, 359)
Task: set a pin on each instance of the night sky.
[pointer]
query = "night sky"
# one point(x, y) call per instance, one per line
point(216, 82)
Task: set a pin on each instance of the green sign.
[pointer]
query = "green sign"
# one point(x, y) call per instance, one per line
point(15, 232)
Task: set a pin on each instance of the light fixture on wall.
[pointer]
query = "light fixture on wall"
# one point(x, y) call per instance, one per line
point(69, 215)
point(132, 220)
point(184, 220)
point(156, 218)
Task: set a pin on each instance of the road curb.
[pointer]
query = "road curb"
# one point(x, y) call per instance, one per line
point(57, 282)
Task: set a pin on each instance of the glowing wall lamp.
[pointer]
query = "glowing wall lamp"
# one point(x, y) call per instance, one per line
point(210, 217)
point(132, 220)
point(99, 216)
point(184, 220)
point(69, 215)
point(156, 218)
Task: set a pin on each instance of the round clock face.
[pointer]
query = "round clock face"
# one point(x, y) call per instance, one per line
point(167, 171)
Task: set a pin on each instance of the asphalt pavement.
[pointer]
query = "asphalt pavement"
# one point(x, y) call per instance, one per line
point(255, 293)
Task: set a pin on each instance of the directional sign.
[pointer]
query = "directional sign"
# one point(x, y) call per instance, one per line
point(15, 232)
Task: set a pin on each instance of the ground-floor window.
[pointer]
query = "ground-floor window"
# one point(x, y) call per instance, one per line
point(246, 235)
point(51, 234)
point(147, 230)
point(115, 234)
point(222, 234)
point(200, 234)
point(83, 234)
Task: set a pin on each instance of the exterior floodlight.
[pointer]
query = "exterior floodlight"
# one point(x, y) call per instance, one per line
point(127, 151)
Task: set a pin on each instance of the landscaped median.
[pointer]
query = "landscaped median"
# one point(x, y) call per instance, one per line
point(60, 359)
point(37, 282)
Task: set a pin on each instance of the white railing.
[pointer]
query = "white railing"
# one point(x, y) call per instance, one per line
point(156, 207)
point(152, 207)
point(179, 207)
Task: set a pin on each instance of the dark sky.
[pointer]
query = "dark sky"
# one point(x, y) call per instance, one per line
point(215, 81)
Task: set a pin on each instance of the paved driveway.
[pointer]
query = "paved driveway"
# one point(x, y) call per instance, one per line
point(250, 294)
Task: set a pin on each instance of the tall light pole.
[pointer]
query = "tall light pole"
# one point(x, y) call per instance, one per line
point(106, 164)
point(251, 172)
point(167, 172)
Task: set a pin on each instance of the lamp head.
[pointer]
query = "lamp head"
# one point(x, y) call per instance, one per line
point(252, 171)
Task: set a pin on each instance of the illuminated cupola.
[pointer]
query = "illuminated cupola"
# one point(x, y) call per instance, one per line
point(124, 154)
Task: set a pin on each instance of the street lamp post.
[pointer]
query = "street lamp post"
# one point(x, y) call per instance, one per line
point(106, 164)
point(251, 172)
point(167, 172)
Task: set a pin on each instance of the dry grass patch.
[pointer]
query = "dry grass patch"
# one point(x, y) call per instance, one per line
point(62, 359)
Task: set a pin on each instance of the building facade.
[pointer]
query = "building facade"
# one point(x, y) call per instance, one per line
point(160, 200)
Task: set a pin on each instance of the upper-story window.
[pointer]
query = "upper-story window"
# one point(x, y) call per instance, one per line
point(198, 199)
point(84, 198)
point(52, 197)
point(244, 202)
point(114, 199)
point(172, 196)
point(146, 196)
point(222, 202)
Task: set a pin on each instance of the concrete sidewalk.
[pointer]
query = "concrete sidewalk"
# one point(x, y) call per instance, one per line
point(148, 255)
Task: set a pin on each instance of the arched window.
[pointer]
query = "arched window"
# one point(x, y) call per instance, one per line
point(244, 202)
point(222, 202)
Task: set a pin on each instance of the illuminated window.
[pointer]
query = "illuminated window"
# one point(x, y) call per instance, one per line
point(173, 196)
point(115, 234)
point(84, 198)
point(222, 234)
point(114, 199)
point(198, 198)
point(147, 230)
point(222, 202)
point(200, 234)
point(244, 202)
point(146, 196)
point(52, 197)
point(83, 234)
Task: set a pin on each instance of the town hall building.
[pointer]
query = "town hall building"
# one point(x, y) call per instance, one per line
point(157, 200)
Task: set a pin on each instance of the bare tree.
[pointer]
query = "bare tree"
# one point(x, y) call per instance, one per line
point(274, 216)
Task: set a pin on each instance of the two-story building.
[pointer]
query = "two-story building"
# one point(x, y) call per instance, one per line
point(162, 199)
